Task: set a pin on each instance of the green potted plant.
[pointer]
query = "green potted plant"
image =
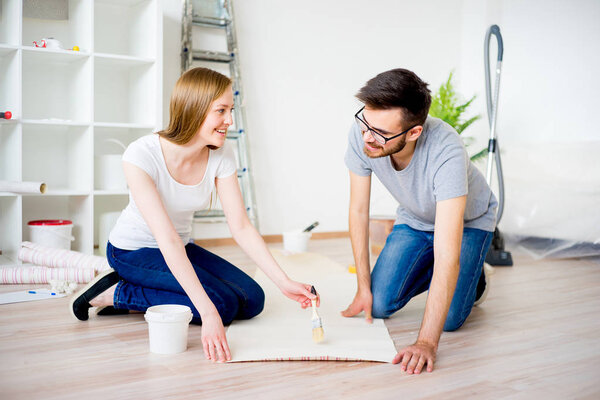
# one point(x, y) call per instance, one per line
point(446, 105)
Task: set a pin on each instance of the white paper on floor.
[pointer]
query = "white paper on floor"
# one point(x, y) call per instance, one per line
point(29, 295)
point(283, 331)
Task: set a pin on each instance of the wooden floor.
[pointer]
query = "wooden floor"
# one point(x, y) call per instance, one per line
point(536, 336)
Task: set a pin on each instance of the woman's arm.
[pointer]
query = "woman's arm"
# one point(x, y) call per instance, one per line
point(252, 243)
point(148, 201)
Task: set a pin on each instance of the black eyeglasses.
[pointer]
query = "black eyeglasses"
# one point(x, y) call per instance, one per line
point(379, 137)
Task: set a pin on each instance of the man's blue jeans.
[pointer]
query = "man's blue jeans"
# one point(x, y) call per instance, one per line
point(146, 281)
point(405, 267)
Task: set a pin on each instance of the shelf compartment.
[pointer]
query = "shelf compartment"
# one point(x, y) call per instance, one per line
point(131, 31)
point(54, 122)
point(7, 49)
point(10, 226)
point(55, 55)
point(117, 125)
point(106, 210)
point(58, 155)
point(56, 87)
point(124, 60)
point(124, 93)
point(74, 208)
point(9, 22)
point(10, 151)
point(10, 88)
point(105, 144)
point(73, 31)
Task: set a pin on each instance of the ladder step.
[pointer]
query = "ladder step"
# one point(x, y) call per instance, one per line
point(214, 216)
point(234, 134)
point(216, 56)
point(210, 22)
point(209, 214)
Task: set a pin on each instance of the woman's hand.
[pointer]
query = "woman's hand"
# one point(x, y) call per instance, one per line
point(299, 292)
point(213, 338)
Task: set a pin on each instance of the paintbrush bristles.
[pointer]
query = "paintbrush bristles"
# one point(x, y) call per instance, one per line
point(318, 335)
point(317, 332)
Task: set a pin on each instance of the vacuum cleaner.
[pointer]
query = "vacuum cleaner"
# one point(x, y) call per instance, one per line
point(496, 255)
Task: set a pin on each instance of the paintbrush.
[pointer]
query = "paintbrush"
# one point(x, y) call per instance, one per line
point(317, 324)
point(311, 226)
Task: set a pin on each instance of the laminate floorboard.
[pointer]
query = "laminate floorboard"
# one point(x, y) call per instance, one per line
point(536, 336)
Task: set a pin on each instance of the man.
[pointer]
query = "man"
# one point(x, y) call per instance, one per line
point(445, 217)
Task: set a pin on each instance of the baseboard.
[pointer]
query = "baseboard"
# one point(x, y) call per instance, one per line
point(269, 239)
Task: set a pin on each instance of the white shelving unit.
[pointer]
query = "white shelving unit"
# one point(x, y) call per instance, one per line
point(66, 105)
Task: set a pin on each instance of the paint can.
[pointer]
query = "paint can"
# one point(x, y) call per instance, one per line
point(109, 170)
point(296, 241)
point(55, 233)
point(168, 328)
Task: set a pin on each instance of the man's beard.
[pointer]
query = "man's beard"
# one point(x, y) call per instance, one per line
point(383, 152)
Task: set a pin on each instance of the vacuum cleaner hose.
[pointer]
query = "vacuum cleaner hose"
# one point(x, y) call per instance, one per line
point(492, 30)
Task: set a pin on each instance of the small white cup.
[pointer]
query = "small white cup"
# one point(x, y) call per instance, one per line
point(52, 43)
point(296, 241)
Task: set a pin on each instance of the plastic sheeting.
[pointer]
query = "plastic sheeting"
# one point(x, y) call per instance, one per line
point(552, 198)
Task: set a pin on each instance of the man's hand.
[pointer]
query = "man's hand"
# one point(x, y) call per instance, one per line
point(363, 301)
point(414, 357)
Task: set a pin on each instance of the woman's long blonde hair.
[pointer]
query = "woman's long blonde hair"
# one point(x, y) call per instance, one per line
point(192, 96)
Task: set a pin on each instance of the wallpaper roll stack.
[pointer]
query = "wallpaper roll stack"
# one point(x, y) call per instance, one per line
point(52, 265)
point(60, 258)
point(37, 274)
point(22, 187)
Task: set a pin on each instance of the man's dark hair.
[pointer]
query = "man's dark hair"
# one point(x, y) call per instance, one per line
point(398, 88)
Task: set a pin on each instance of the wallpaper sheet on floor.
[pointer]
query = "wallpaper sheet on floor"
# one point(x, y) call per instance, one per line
point(283, 331)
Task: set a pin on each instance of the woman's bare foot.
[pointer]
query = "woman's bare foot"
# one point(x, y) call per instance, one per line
point(105, 298)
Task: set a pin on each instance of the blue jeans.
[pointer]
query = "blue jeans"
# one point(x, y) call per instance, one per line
point(405, 267)
point(146, 281)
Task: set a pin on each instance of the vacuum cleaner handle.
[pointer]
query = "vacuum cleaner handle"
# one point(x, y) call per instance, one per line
point(491, 104)
point(495, 30)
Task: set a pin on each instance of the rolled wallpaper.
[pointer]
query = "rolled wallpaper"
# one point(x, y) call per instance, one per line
point(38, 274)
point(60, 258)
point(22, 187)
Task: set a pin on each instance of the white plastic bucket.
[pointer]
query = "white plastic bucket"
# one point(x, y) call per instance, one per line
point(168, 328)
point(296, 241)
point(109, 170)
point(54, 233)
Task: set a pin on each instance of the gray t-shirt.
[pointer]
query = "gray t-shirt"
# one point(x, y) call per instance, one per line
point(440, 169)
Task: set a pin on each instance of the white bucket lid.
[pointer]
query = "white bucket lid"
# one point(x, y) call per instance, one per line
point(168, 313)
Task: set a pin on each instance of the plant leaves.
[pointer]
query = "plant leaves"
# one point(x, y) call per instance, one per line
point(445, 106)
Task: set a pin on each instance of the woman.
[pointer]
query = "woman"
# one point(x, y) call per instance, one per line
point(170, 175)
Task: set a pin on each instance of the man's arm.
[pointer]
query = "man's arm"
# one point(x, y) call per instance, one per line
point(360, 196)
point(446, 250)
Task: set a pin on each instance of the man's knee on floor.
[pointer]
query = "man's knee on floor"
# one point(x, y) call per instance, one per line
point(453, 322)
point(382, 305)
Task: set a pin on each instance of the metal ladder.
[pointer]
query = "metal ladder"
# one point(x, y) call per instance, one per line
point(218, 14)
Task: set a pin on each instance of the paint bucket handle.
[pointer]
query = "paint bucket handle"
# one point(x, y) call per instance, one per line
point(116, 141)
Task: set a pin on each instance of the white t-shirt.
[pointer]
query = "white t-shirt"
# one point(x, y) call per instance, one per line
point(181, 201)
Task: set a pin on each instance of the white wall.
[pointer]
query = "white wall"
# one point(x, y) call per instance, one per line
point(550, 70)
point(302, 63)
point(548, 100)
